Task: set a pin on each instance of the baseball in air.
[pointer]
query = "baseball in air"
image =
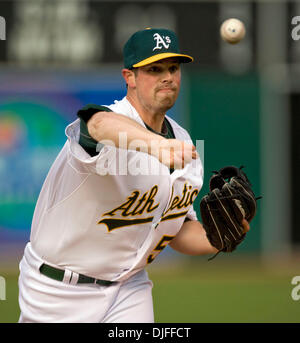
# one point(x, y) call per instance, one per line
point(232, 30)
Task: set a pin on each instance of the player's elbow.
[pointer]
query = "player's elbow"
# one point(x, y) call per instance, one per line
point(97, 123)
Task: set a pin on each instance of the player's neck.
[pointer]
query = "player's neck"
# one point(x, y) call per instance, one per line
point(150, 117)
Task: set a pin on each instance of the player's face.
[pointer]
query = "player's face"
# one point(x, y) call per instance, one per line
point(158, 84)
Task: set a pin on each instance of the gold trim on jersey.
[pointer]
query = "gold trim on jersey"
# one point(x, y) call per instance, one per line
point(187, 199)
point(132, 200)
point(159, 247)
point(113, 224)
point(137, 204)
point(174, 216)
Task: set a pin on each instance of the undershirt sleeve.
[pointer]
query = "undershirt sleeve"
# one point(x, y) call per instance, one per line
point(88, 143)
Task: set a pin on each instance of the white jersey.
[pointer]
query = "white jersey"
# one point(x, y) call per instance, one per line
point(110, 226)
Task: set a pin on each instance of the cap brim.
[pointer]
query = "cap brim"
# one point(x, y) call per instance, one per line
point(154, 58)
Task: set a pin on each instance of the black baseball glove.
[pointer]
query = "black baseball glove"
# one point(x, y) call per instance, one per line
point(229, 201)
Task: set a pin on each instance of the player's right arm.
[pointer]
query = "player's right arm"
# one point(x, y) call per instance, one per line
point(106, 127)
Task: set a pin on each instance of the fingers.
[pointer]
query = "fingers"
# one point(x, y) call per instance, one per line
point(245, 225)
point(195, 154)
point(176, 154)
point(189, 151)
point(187, 154)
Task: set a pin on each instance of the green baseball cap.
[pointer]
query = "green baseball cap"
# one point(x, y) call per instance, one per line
point(151, 45)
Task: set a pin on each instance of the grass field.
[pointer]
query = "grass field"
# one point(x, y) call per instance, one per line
point(225, 293)
point(222, 290)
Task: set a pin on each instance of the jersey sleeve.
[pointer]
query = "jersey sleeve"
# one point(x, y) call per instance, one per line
point(89, 110)
point(86, 141)
point(191, 215)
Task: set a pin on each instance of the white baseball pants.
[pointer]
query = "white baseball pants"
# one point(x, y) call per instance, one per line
point(45, 300)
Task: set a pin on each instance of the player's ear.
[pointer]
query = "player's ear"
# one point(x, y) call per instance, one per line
point(129, 77)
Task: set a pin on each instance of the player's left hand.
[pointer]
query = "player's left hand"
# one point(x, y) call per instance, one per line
point(228, 209)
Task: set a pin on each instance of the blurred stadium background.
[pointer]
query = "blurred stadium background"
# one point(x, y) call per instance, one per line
point(242, 100)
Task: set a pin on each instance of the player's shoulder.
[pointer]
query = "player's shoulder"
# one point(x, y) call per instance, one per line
point(117, 105)
point(122, 106)
point(87, 111)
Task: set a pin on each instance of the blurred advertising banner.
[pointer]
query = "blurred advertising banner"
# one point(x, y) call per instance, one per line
point(35, 108)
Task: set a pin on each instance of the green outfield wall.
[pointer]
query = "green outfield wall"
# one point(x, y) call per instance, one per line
point(224, 111)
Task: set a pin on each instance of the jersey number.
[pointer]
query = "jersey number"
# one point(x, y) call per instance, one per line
point(165, 240)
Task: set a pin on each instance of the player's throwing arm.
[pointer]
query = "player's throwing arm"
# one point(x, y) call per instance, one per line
point(171, 152)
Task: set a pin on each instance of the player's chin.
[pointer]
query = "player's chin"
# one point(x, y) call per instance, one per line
point(167, 100)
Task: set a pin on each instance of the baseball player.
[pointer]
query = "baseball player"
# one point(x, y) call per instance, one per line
point(98, 222)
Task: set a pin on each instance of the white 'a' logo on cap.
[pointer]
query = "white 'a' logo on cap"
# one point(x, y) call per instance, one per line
point(161, 40)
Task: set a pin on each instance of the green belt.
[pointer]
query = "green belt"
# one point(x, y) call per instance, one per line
point(58, 274)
